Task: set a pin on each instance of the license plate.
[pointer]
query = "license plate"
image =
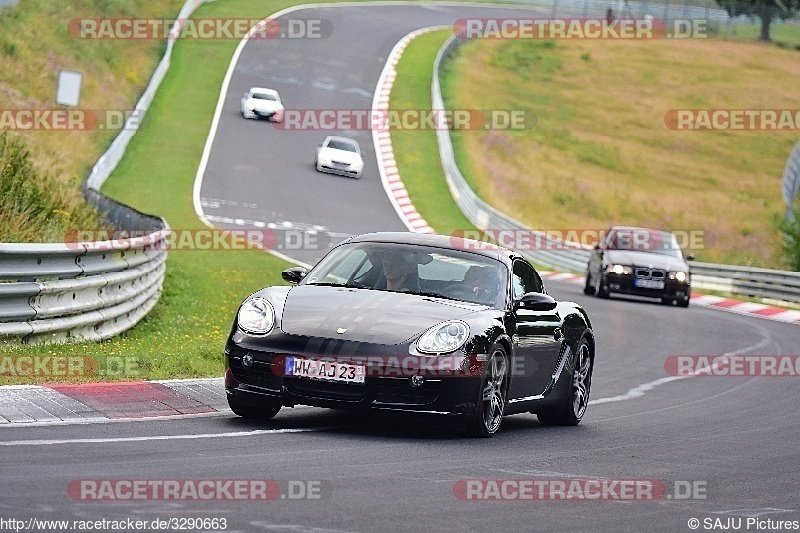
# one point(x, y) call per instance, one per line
point(649, 283)
point(324, 370)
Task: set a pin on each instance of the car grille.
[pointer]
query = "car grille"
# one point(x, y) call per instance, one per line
point(341, 164)
point(329, 390)
point(258, 375)
point(650, 273)
point(401, 391)
point(395, 391)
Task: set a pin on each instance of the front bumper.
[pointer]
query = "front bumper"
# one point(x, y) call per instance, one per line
point(340, 170)
point(627, 284)
point(387, 385)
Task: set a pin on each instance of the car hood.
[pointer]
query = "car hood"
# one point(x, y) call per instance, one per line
point(651, 260)
point(366, 315)
point(339, 155)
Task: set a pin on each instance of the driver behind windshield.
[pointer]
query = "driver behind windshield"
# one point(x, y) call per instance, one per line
point(482, 283)
point(400, 271)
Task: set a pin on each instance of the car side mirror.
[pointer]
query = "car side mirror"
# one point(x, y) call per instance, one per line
point(536, 301)
point(690, 257)
point(294, 275)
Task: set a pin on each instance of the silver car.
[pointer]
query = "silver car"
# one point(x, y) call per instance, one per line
point(339, 155)
point(260, 102)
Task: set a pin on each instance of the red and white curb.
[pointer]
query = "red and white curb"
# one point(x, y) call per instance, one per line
point(387, 165)
point(98, 402)
point(707, 300)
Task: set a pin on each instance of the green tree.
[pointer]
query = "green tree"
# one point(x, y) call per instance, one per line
point(766, 10)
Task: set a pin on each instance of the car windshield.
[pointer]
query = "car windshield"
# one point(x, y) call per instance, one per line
point(424, 270)
point(643, 240)
point(337, 144)
point(264, 96)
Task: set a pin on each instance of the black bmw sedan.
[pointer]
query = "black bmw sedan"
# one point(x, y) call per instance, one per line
point(641, 262)
point(411, 322)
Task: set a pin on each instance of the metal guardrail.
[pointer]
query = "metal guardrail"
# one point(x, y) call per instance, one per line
point(57, 292)
point(753, 282)
point(709, 11)
point(573, 257)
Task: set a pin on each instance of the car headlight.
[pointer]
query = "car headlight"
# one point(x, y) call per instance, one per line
point(679, 276)
point(256, 316)
point(618, 269)
point(443, 338)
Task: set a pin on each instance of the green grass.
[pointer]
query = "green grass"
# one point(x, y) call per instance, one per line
point(35, 45)
point(417, 151)
point(784, 35)
point(600, 152)
point(36, 206)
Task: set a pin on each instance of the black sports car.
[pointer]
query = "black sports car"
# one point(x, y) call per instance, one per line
point(640, 262)
point(412, 322)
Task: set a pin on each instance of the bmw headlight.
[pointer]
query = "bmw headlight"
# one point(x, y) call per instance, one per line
point(679, 276)
point(256, 316)
point(619, 269)
point(443, 338)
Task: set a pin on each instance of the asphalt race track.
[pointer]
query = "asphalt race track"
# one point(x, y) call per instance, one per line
point(723, 449)
point(261, 173)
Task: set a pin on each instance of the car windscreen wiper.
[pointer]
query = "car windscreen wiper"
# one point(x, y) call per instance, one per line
point(433, 295)
point(335, 284)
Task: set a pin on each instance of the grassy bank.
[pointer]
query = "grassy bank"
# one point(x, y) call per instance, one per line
point(184, 335)
point(600, 152)
point(35, 45)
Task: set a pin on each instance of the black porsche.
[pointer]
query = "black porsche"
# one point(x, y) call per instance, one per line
point(412, 322)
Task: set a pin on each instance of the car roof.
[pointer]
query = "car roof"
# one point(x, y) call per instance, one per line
point(340, 138)
point(448, 242)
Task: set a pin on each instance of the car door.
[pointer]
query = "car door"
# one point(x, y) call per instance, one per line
point(537, 337)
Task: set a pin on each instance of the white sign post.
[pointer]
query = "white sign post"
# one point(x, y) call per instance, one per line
point(69, 88)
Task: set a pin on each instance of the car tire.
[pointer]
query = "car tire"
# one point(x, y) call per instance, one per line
point(684, 302)
point(587, 287)
point(492, 400)
point(267, 410)
point(601, 289)
point(571, 411)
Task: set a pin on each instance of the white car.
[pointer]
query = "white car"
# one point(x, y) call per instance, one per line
point(339, 155)
point(259, 102)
